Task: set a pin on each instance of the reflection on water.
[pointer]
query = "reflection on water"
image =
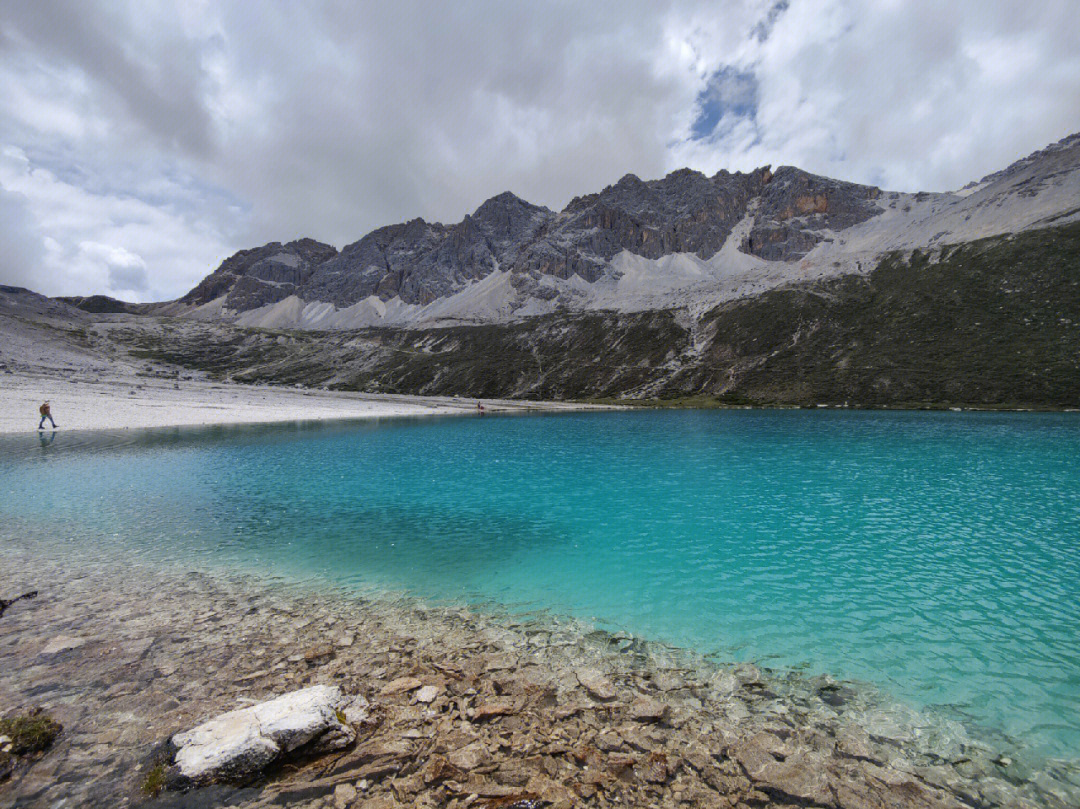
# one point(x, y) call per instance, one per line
point(932, 554)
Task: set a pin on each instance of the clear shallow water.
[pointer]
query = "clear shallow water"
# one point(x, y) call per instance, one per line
point(936, 555)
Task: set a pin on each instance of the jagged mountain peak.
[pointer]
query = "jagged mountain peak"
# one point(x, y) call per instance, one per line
point(681, 240)
point(627, 181)
point(508, 205)
point(507, 198)
point(243, 275)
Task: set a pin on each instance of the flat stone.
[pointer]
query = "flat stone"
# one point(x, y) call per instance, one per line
point(853, 742)
point(748, 675)
point(801, 775)
point(428, 694)
point(61, 643)
point(402, 685)
point(135, 648)
point(319, 654)
point(644, 709)
point(239, 743)
point(255, 675)
point(494, 707)
point(470, 757)
point(344, 794)
point(596, 684)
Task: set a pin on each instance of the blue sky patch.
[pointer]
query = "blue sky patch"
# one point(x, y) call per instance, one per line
point(729, 94)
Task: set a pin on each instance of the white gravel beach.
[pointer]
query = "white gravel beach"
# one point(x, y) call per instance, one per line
point(88, 403)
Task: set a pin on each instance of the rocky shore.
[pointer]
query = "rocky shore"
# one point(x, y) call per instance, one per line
point(466, 708)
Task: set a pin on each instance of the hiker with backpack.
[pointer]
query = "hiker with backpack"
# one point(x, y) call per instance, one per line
point(46, 413)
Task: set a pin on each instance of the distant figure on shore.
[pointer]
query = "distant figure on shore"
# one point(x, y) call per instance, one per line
point(46, 413)
point(479, 408)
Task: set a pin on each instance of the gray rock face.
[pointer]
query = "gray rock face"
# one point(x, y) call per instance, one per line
point(262, 275)
point(779, 216)
point(420, 262)
point(1046, 163)
point(795, 206)
point(685, 212)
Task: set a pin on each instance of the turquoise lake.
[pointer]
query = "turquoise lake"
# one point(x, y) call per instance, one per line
point(934, 555)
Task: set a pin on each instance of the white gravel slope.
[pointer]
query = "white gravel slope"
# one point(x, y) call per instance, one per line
point(90, 403)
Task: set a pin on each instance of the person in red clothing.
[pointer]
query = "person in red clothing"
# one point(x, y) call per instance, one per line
point(46, 413)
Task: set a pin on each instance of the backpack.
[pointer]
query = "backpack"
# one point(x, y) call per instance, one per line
point(43, 409)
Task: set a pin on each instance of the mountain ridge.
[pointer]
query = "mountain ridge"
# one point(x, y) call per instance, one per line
point(684, 241)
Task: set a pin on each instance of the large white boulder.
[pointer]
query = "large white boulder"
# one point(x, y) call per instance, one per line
point(239, 743)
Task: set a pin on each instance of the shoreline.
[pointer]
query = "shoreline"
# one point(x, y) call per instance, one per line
point(126, 654)
point(83, 401)
point(712, 403)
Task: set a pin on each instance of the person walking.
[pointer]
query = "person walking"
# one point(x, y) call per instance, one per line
point(46, 413)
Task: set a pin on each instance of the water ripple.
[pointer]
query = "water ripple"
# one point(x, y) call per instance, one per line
point(936, 555)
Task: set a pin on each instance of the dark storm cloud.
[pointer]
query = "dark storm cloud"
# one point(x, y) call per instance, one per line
point(167, 134)
point(139, 58)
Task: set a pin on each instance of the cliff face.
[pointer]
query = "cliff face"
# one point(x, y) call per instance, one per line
point(263, 275)
point(797, 208)
point(686, 241)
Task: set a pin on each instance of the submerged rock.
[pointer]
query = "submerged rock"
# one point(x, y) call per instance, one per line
point(645, 709)
point(402, 685)
point(596, 684)
point(5, 603)
point(236, 745)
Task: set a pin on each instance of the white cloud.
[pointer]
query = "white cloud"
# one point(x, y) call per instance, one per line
point(909, 95)
point(175, 133)
point(101, 242)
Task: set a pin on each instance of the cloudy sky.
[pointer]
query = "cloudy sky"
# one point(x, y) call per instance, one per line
point(142, 142)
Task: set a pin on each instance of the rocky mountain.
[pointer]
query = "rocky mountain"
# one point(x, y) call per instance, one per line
point(261, 276)
point(764, 288)
point(989, 323)
point(684, 242)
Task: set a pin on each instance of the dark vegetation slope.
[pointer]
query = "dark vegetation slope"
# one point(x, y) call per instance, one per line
point(104, 305)
point(993, 323)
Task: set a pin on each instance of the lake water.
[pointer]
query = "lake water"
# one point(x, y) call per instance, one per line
point(934, 555)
